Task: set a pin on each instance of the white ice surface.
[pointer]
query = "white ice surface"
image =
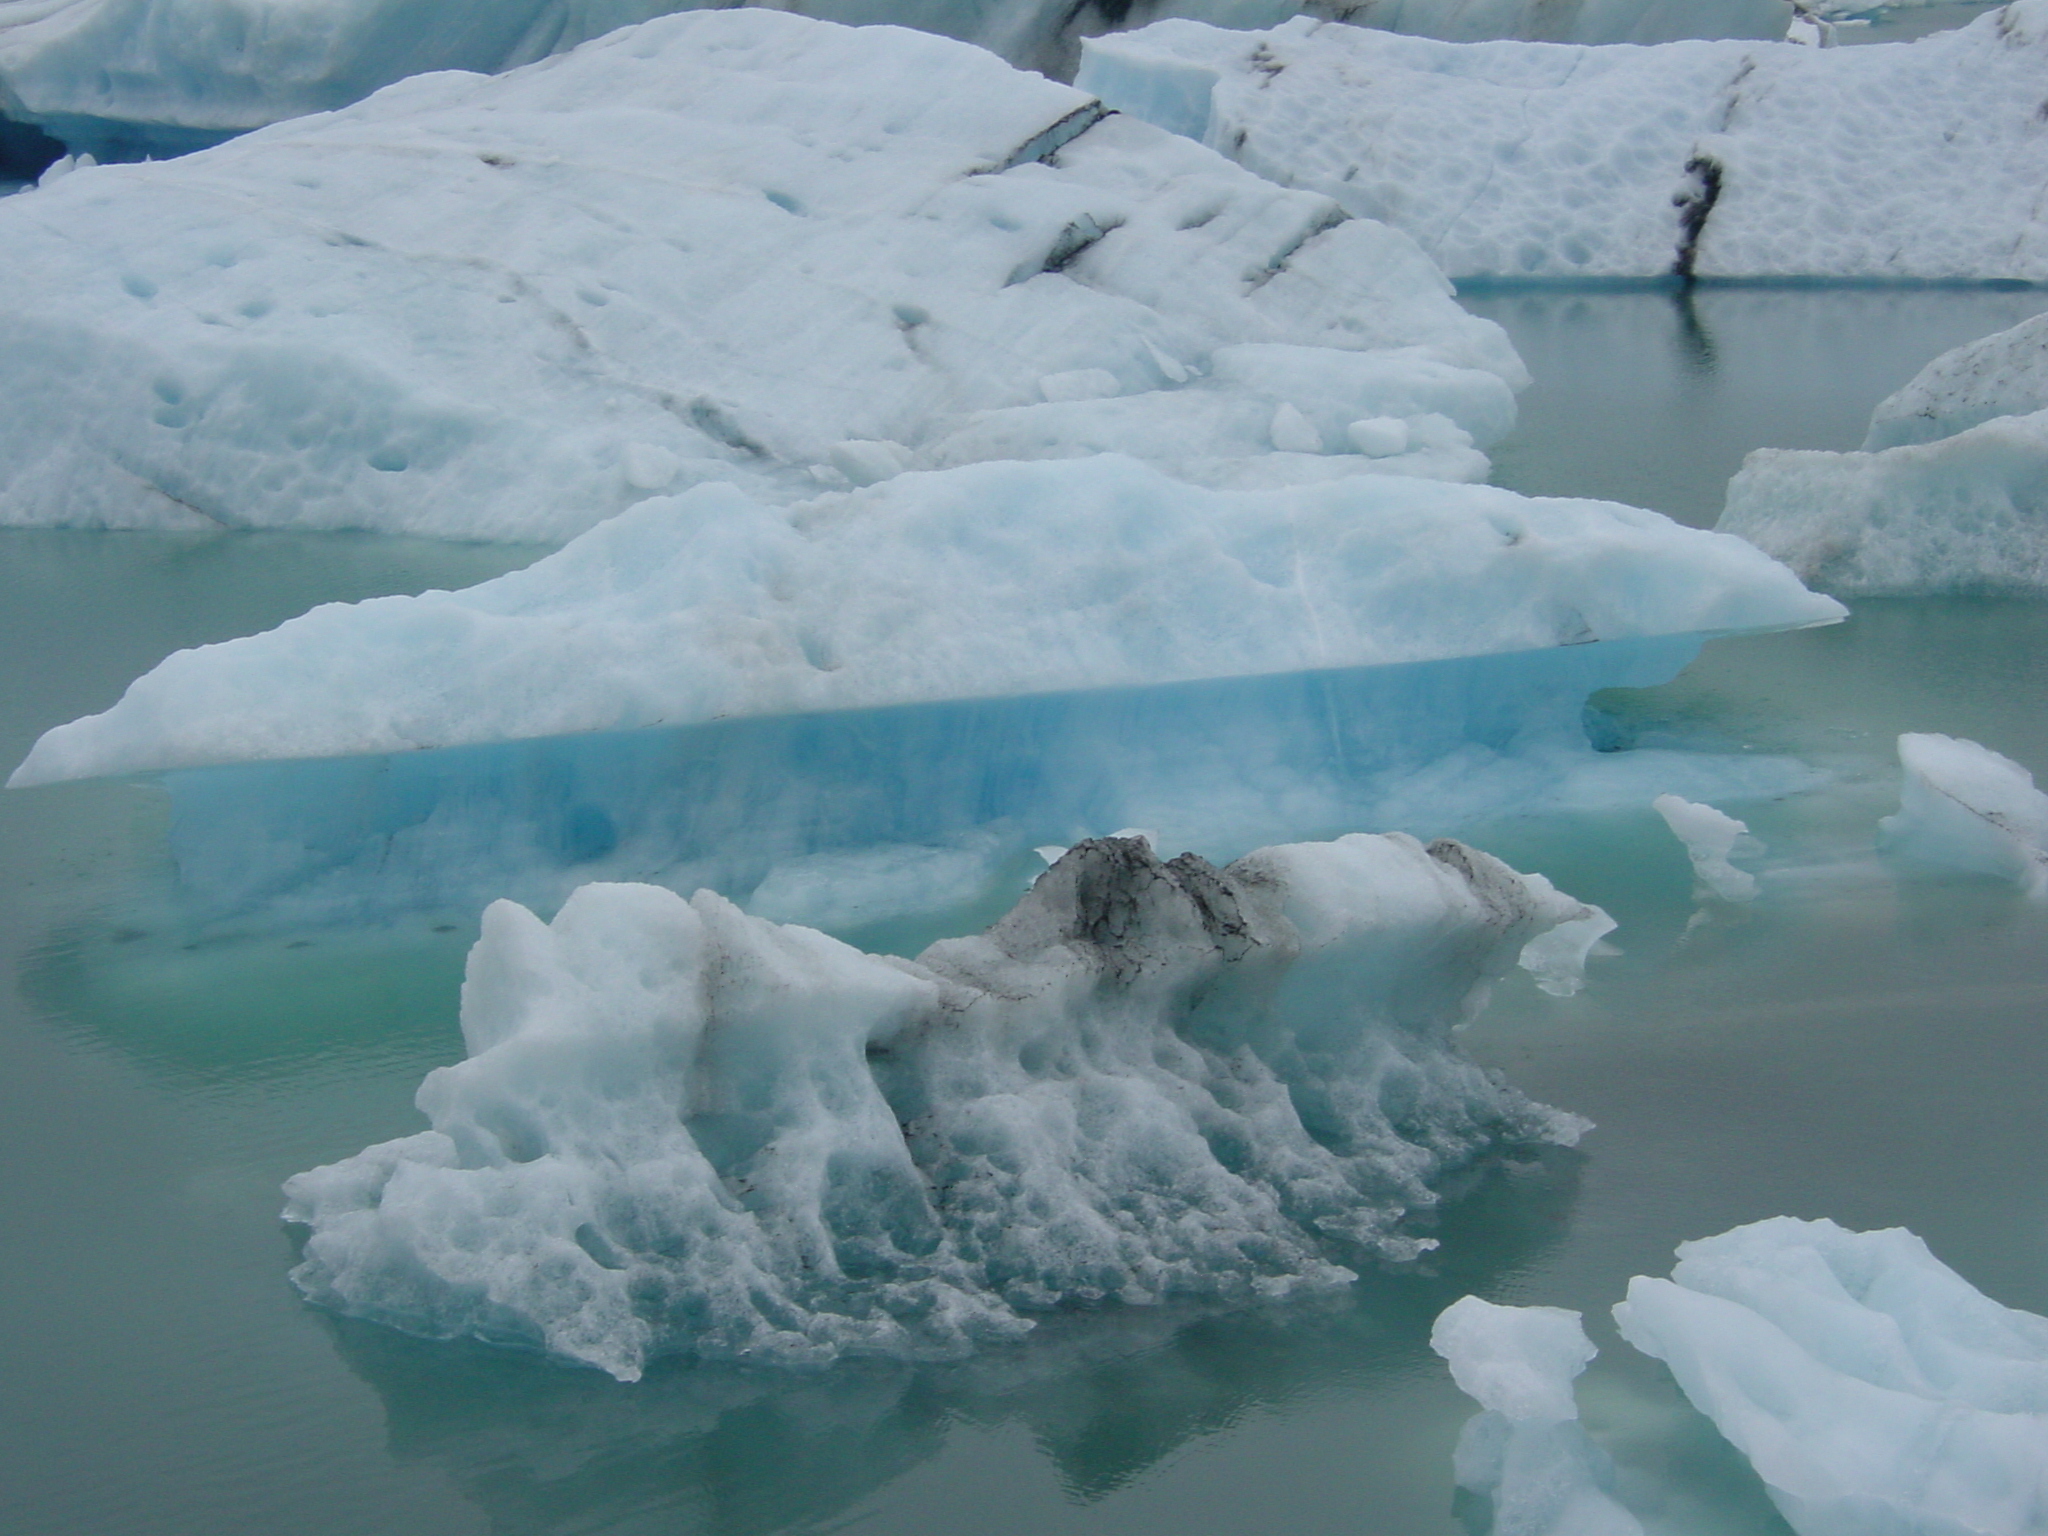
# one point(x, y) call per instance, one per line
point(1709, 837)
point(1526, 1454)
point(725, 245)
point(2005, 374)
point(1966, 513)
point(683, 1130)
point(1964, 806)
point(1875, 1391)
point(986, 581)
point(1916, 160)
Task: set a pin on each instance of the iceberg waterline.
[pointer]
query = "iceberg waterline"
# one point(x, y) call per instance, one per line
point(1709, 159)
point(730, 246)
point(683, 1130)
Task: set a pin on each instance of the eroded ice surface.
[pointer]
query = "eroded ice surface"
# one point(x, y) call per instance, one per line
point(1731, 159)
point(1872, 1387)
point(1964, 806)
point(986, 581)
point(2004, 374)
point(1526, 1455)
point(680, 1129)
point(738, 246)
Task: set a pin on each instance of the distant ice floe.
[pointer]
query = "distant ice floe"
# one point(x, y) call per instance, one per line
point(1526, 1456)
point(1710, 836)
point(683, 1130)
point(1715, 159)
point(1872, 1388)
point(738, 246)
point(1949, 494)
point(168, 76)
point(1964, 806)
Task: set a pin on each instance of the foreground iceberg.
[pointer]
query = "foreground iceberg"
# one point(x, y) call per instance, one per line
point(682, 1130)
point(1963, 806)
point(1872, 1388)
point(1715, 159)
point(725, 245)
point(1526, 1456)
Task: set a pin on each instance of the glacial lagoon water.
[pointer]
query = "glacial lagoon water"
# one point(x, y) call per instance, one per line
point(1860, 1043)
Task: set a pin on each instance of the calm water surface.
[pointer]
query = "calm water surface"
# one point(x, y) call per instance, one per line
point(1854, 1045)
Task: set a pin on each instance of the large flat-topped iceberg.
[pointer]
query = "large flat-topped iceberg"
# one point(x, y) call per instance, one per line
point(1716, 159)
point(731, 245)
point(1872, 1387)
point(987, 581)
point(683, 1130)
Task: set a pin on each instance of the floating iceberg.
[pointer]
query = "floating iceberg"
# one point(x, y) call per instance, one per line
point(1967, 513)
point(726, 245)
point(683, 1130)
point(1526, 1455)
point(1573, 21)
point(1716, 159)
point(2005, 374)
point(1710, 836)
point(1872, 1388)
point(1964, 806)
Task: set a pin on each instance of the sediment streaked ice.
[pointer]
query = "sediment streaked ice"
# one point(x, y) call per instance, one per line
point(1871, 1387)
point(1723, 159)
point(735, 246)
point(683, 1130)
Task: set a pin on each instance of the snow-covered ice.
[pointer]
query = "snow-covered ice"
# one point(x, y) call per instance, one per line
point(680, 1129)
point(1526, 1454)
point(723, 245)
point(2004, 374)
point(1722, 159)
point(1710, 836)
point(1964, 806)
point(1962, 514)
point(991, 580)
point(1872, 1387)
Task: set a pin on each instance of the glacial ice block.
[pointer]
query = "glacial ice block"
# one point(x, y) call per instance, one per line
point(1872, 1388)
point(1709, 158)
point(734, 246)
point(1962, 514)
point(683, 1130)
point(1526, 1454)
point(988, 581)
point(1964, 806)
point(2004, 374)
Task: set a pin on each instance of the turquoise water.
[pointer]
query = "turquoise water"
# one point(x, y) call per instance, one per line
point(1856, 1045)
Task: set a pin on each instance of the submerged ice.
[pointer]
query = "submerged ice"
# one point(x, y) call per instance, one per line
point(683, 1130)
point(733, 246)
point(1871, 1387)
point(1722, 159)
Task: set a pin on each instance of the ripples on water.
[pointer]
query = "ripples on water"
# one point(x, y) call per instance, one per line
point(1851, 1046)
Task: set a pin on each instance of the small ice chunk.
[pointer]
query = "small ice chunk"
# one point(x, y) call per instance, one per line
point(1379, 437)
point(866, 462)
point(1710, 836)
point(1527, 1455)
point(1557, 959)
point(1174, 370)
point(1080, 384)
point(1293, 432)
point(649, 466)
point(1964, 806)
point(1872, 1387)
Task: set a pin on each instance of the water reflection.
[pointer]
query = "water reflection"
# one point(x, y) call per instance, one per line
point(1105, 1397)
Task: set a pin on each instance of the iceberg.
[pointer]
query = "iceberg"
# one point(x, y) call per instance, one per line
point(1525, 1456)
point(1964, 806)
point(1872, 1387)
point(1709, 837)
point(2004, 374)
point(734, 246)
point(1521, 161)
point(682, 1130)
